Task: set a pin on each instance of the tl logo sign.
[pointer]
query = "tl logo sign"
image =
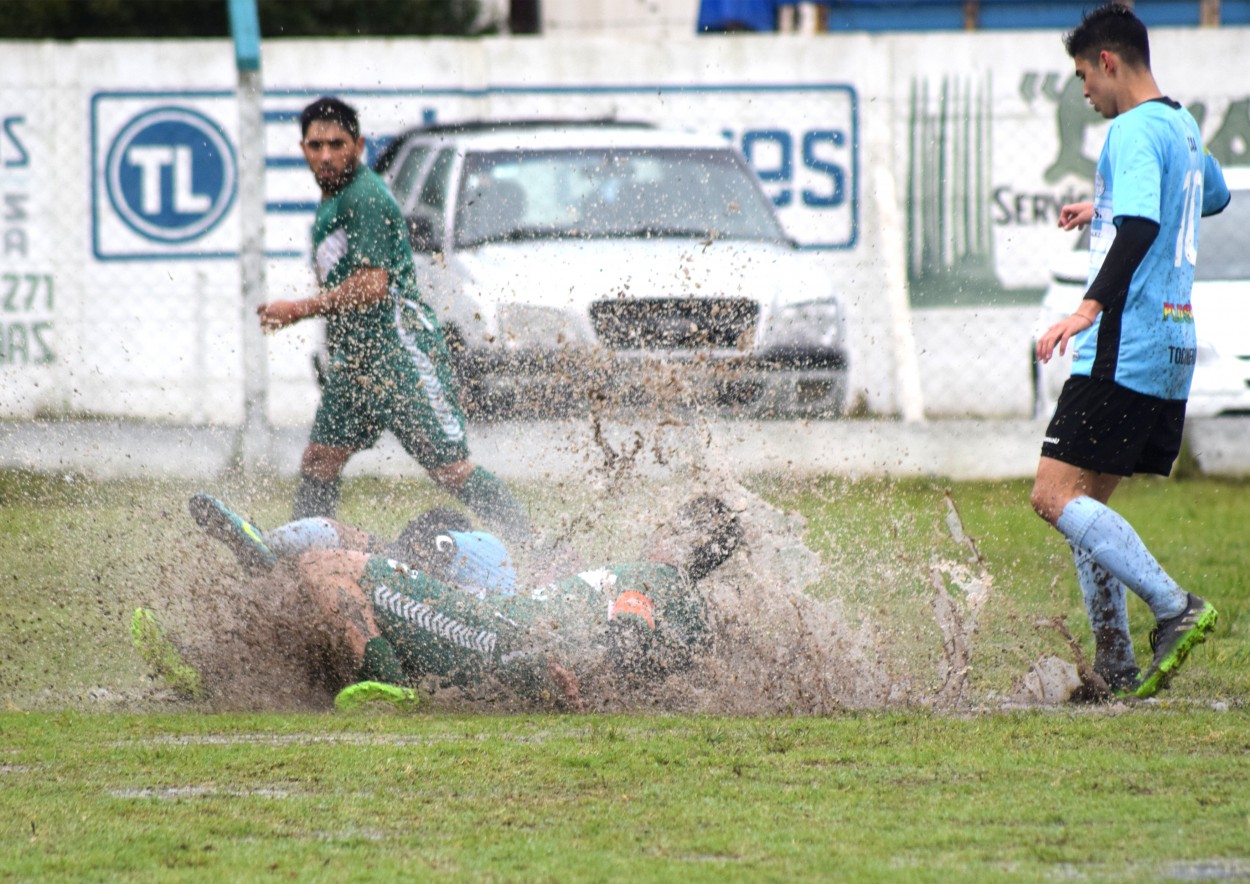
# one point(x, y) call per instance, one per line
point(170, 174)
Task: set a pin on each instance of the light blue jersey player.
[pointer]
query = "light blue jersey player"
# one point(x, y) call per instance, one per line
point(1152, 166)
point(1123, 410)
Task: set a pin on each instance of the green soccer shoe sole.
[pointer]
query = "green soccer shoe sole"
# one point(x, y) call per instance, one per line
point(154, 646)
point(365, 692)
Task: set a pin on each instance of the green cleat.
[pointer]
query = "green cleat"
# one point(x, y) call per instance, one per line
point(356, 695)
point(1172, 641)
point(241, 536)
point(156, 649)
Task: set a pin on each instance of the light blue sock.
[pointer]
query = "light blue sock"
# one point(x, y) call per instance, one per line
point(1106, 603)
point(293, 538)
point(1112, 543)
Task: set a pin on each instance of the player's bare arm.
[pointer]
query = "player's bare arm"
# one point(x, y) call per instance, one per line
point(1076, 215)
point(1058, 335)
point(365, 287)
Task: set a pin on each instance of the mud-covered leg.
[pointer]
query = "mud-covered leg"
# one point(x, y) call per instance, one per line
point(1106, 603)
point(331, 580)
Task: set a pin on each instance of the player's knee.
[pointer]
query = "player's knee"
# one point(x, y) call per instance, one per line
point(311, 566)
point(320, 568)
point(1044, 501)
point(324, 462)
point(453, 475)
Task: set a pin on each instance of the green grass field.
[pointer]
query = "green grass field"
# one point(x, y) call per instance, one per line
point(1138, 795)
point(105, 777)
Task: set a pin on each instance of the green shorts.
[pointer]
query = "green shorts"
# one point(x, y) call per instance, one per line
point(408, 389)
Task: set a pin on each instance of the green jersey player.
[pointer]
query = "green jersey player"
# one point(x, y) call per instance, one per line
point(439, 542)
point(389, 366)
point(399, 623)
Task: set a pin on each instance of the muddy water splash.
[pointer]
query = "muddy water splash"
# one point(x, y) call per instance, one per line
point(778, 648)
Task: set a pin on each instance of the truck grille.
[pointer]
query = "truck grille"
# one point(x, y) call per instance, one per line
point(675, 323)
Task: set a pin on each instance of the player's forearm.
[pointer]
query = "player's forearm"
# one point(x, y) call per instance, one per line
point(1215, 195)
point(362, 289)
point(1088, 310)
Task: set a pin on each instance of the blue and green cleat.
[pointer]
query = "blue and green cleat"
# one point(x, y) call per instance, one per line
point(241, 536)
point(1172, 641)
point(154, 646)
point(356, 695)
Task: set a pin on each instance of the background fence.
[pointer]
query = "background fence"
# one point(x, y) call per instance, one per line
point(934, 162)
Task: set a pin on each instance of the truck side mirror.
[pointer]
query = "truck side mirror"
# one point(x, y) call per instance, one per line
point(425, 233)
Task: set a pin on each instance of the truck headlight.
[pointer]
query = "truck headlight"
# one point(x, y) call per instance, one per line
point(529, 327)
point(805, 324)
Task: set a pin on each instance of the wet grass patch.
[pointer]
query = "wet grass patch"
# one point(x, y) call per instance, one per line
point(1152, 792)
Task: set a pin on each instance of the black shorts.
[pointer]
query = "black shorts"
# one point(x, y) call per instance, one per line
point(1101, 426)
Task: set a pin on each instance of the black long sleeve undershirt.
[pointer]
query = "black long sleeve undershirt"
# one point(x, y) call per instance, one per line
point(1133, 239)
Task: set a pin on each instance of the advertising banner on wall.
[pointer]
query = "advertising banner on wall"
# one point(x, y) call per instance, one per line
point(164, 169)
point(164, 161)
point(998, 137)
point(31, 290)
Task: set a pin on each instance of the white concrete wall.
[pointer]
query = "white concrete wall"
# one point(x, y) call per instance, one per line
point(101, 312)
point(658, 19)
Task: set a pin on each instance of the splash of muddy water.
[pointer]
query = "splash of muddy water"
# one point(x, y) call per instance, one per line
point(777, 649)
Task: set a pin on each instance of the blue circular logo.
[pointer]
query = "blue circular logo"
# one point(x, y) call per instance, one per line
point(171, 174)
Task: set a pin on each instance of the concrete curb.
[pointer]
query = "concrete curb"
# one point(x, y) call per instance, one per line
point(954, 449)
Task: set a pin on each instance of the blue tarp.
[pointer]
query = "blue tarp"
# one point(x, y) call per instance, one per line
point(941, 15)
point(737, 15)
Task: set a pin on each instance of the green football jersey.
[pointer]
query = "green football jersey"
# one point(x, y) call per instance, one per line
point(441, 630)
point(361, 226)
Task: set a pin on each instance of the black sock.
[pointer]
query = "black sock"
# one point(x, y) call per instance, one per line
point(316, 498)
point(380, 663)
point(489, 498)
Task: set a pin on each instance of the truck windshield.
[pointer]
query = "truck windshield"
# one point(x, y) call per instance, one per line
point(610, 193)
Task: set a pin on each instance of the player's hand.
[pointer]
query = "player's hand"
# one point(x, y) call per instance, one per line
point(279, 314)
point(1075, 215)
point(1058, 335)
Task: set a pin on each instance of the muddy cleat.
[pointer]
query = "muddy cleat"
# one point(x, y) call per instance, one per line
point(1127, 692)
point(1124, 684)
point(156, 649)
point(1107, 686)
point(356, 695)
point(1121, 681)
point(243, 538)
point(1114, 661)
point(1173, 640)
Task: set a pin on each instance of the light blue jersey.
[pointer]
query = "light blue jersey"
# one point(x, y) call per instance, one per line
point(1152, 166)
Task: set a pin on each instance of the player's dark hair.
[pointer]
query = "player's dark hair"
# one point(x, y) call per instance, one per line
point(417, 544)
point(718, 534)
point(331, 110)
point(1114, 28)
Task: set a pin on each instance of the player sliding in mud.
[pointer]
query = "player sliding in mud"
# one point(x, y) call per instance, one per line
point(442, 601)
point(440, 542)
